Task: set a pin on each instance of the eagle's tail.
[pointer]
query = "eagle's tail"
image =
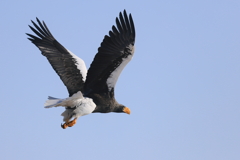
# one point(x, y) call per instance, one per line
point(52, 102)
point(67, 102)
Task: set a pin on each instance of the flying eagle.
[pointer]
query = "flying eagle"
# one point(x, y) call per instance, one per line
point(93, 90)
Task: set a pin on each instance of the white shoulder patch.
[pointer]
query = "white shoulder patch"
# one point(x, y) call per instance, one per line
point(80, 65)
point(112, 79)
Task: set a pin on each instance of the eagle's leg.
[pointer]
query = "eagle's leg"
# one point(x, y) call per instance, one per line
point(64, 126)
point(72, 123)
point(69, 123)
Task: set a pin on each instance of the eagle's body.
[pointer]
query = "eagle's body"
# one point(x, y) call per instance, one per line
point(92, 90)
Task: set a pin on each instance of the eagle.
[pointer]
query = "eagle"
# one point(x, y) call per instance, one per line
point(89, 90)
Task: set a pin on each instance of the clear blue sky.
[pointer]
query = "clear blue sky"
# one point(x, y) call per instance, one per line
point(183, 84)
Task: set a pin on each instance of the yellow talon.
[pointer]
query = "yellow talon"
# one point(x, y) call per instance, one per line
point(69, 124)
point(72, 123)
point(64, 126)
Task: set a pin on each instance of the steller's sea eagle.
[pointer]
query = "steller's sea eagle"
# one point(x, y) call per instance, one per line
point(93, 90)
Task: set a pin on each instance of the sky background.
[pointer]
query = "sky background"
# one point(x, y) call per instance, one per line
point(182, 86)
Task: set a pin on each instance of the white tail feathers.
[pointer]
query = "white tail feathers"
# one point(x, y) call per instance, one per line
point(52, 102)
point(67, 102)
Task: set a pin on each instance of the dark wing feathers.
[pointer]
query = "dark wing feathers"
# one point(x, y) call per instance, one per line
point(111, 53)
point(62, 61)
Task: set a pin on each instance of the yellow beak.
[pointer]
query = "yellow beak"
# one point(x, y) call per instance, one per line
point(126, 110)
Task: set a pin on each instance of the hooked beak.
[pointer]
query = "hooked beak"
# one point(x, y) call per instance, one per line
point(126, 110)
